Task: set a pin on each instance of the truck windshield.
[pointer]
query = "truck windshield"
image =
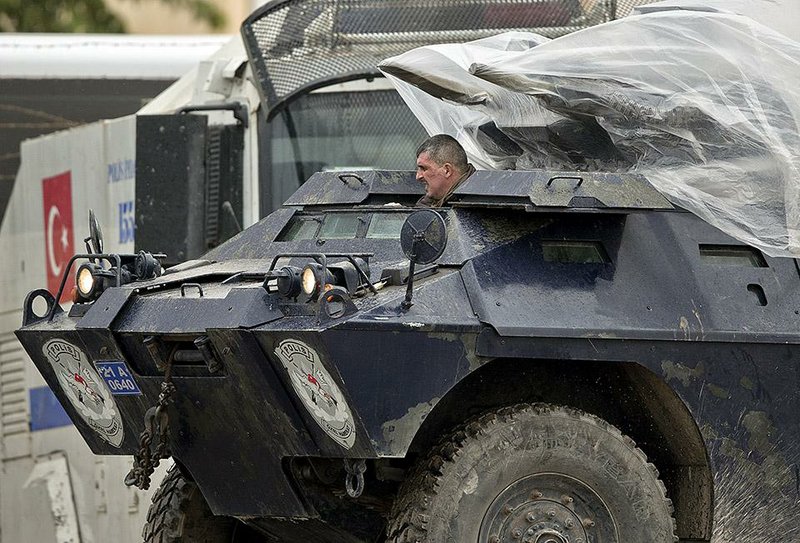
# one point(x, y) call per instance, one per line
point(337, 130)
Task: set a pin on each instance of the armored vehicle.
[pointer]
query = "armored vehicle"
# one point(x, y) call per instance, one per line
point(567, 357)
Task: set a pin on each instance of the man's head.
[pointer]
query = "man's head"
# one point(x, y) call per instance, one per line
point(441, 161)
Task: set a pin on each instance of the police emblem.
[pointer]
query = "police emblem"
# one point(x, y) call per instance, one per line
point(317, 390)
point(85, 389)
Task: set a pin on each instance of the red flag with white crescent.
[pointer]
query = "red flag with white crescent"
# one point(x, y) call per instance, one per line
point(58, 232)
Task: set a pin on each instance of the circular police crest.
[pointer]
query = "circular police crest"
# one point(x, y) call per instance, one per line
point(317, 390)
point(85, 389)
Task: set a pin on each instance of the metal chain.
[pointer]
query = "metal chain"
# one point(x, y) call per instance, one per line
point(354, 480)
point(156, 421)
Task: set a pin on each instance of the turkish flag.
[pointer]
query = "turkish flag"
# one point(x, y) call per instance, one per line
point(58, 232)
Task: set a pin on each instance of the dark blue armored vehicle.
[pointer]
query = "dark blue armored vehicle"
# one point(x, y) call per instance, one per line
point(566, 358)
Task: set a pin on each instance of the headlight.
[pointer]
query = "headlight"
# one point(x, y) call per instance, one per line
point(89, 285)
point(288, 282)
point(309, 281)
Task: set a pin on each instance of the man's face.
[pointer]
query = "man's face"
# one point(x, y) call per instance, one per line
point(438, 178)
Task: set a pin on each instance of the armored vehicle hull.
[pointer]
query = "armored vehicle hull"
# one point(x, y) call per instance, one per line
point(583, 361)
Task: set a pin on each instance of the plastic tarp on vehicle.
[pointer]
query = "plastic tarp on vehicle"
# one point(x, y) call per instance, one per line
point(705, 105)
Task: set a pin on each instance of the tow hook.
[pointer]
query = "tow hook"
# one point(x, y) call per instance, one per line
point(354, 479)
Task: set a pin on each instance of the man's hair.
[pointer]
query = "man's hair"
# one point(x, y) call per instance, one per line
point(442, 148)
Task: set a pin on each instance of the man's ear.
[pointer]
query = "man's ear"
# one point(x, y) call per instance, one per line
point(448, 169)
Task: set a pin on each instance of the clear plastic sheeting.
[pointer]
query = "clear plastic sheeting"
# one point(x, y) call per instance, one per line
point(780, 15)
point(705, 105)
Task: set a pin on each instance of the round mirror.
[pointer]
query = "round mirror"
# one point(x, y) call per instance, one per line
point(95, 233)
point(423, 236)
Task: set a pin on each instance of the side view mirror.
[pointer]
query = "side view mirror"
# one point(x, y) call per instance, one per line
point(423, 239)
point(93, 277)
point(94, 243)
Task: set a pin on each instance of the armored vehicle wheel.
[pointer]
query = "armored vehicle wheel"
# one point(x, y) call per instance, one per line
point(534, 474)
point(180, 514)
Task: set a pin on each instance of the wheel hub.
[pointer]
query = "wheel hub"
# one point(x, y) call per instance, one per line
point(551, 537)
point(548, 508)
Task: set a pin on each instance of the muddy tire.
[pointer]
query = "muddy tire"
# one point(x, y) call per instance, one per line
point(534, 474)
point(180, 514)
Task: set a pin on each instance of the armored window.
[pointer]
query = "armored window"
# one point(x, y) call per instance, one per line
point(344, 225)
point(574, 252)
point(386, 225)
point(339, 226)
point(732, 255)
point(304, 228)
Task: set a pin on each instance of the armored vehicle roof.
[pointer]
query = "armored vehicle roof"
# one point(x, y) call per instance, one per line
point(532, 190)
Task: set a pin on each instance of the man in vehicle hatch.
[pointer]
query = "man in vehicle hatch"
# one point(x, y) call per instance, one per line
point(442, 166)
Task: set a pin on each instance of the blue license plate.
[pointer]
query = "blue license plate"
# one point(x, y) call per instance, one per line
point(118, 377)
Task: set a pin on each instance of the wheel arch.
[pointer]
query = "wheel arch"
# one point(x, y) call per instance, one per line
point(627, 395)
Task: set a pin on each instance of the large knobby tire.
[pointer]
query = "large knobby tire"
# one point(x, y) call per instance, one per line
point(180, 514)
point(534, 473)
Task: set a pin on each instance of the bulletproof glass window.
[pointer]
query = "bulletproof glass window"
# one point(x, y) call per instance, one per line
point(732, 255)
point(574, 252)
point(344, 225)
point(386, 225)
point(339, 226)
point(302, 228)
